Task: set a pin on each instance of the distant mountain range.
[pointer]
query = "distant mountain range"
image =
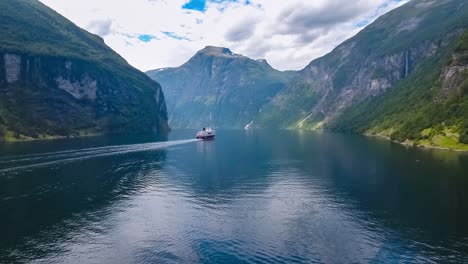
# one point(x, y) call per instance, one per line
point(403, 77)
point(57, 80)
point(219, 88)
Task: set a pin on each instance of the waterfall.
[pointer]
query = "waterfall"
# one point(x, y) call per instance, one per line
point(407, 64)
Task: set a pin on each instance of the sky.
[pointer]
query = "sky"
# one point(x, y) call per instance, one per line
point(289, 34)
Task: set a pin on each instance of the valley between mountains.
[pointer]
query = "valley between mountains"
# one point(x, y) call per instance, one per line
point(404, 77)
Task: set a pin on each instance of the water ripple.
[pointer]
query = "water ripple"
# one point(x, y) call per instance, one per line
point(53, 158)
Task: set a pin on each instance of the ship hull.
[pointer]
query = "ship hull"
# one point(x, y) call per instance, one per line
point(206, 137)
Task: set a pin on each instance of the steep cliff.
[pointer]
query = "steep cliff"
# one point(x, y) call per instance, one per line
point(219, 88)
point(368, 65)
point(59, 80)
point(429, 108)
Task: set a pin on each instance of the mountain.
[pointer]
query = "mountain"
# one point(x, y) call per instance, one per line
point(403, 77)
point(430, 108)
point(218, 87)
point(58, 80)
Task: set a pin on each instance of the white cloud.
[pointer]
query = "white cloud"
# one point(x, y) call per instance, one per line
point(289, 34)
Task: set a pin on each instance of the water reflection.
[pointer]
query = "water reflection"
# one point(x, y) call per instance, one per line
point(254, 197)
point(45, 206)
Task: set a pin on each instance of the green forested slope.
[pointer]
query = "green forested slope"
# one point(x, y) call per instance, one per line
point(217, 87)
point(56, 79)
point(30, 27)
point(368, 65)
point(429, 108)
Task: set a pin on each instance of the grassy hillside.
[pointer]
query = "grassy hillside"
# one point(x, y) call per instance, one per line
point(219, 88)
point(67, 81)
point(368, 65)
point(417, 110)
point(30, 27)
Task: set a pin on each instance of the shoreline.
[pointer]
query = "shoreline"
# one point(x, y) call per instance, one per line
point(45, 138)
point(10, 140)
point(408, 144)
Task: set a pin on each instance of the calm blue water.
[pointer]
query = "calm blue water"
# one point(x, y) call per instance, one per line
point(259, 197)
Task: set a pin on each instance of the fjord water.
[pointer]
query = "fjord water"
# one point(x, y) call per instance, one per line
point(247, 197)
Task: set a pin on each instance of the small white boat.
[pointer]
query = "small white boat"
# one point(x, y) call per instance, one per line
point(206, 133)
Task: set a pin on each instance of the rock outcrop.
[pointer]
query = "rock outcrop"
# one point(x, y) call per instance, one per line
point(65, 81)
point(219, 88)
point(368, 65)
point(12, 64)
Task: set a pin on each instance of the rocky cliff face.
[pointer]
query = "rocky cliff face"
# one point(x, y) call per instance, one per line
point(370, 78)
point(428, 108)
point(367, 65)
point(219, 88)
point(46, 96)
point(453, 76)
point(67, 82)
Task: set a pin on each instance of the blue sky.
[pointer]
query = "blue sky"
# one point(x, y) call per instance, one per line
point(147, 38)
point(152, 34)
point(198, 5)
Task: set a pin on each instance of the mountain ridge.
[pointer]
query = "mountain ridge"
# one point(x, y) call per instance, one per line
point(368, 66)
point(218, 87)
point(58, 80)
point(381, 60)
point(428, 109)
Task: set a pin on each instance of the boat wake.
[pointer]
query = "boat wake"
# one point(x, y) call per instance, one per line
point(8, 164)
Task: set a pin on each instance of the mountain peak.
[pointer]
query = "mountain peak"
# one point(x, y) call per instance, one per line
point(217, 51)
